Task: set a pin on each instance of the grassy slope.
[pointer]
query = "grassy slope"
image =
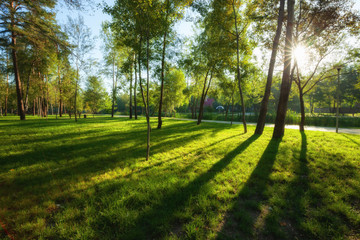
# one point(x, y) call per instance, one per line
point(62, 180)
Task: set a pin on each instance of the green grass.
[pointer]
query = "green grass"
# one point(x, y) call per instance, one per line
point(291, 118)
point(89, 180)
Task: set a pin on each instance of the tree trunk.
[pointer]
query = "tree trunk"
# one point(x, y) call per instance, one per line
point(113, 91)
point(76, 89)
point(131, 80)
point(203, 95)
point(286, 78)
point(34, 111)
point(60, 110)
point(238, 71)
point(265, 101)
point(7, 84)
point(20, 103)
point(47, 95)
point(147, 98)
point(135, 88)
point(302, 110)
point(163, 70)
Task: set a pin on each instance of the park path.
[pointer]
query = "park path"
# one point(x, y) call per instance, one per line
point(308, 128)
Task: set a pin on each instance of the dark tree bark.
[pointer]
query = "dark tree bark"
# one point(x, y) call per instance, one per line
point(265, 101)
point(146, 102)
point(20, 103)
point(34, 110)
point(131, 80)
point(76, 89)
point(204, 94)
point(113, 91)
point(286, 78)
point(147, 97)
point(7, 85)
point(238, 69)
point(60, 95)
point(302, 110)
point(162, 71)
point(135, 89)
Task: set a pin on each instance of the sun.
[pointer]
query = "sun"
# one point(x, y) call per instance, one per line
point(301, 56)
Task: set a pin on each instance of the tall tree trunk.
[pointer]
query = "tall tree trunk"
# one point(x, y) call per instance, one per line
point(265, 101)
point(7, 84)
point(20, 103)
point(131, 80)
point(76, 89)
point(113, 90)
point(302, 110)
point(38, 107)
point(47, 95)
point(147, 91)
point(34, 110)
point(135, 88)
point(163, 69)
point(203, 95)
point(147, 98)
point(238, 69)
point(60, 92)
point(286, 78)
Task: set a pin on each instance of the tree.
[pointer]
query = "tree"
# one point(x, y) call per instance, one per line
point(139, 22)
point(28, 20)
point(174, 90)
point(81, 40)
point(318, 38)
point(265, 101)
point(114, 57)
point(95, 94)
point(170, 13)
point(286, 77)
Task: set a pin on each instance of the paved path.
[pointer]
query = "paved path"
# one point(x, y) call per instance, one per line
point(308, 128)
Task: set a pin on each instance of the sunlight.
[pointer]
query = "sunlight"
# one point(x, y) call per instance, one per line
point(301, 56)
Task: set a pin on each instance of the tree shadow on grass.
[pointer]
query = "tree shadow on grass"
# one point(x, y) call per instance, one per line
point(289, 209)
point(160, 217)
point(346, 136)
point(240, 220)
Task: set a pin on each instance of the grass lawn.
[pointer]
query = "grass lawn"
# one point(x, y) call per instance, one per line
point(89, 180)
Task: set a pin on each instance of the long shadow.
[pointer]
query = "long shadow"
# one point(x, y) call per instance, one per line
point(150, 224)
point(357, 143)
point(198, 150)
point(239, 221)
point(284, 221)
